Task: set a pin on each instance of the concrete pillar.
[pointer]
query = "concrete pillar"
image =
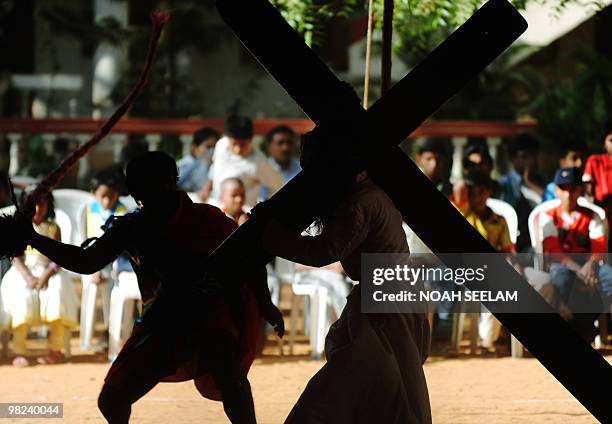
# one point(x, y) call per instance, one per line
point(493, 143)
point(153, 141)
point(15, 153)
point(84, 165)
point(457, 170)
point(186, 143)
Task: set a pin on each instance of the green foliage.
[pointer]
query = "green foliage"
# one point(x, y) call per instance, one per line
point(420, 25)
point(308, 17)
point(574, 110)
point(499, 92)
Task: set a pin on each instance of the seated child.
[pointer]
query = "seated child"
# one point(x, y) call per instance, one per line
point(495, 229)
point(476, 160)
point(573, 229)
point(106, 186)
point(36, 291)
point(232, 199)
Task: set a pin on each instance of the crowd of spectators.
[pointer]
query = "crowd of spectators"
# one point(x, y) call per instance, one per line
point(582, 283)
point(228, 171)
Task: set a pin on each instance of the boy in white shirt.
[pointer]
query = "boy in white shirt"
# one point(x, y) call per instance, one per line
point(234, 157)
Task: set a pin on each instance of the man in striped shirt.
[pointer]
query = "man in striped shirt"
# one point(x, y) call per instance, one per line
point(574, 242)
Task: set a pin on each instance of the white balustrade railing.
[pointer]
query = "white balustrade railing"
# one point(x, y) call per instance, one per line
point(457, 131)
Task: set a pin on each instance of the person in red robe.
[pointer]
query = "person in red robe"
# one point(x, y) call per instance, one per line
point(205, 330)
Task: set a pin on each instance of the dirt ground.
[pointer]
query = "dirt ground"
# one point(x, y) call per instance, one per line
point(466, 389)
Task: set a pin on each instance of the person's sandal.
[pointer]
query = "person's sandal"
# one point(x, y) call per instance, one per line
point(54, 357)
point(21, 362)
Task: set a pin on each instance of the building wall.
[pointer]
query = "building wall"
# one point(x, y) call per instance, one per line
point(229, 78)
point(63, 54)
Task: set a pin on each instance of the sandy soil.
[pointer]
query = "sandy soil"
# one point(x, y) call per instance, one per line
point(462, 390)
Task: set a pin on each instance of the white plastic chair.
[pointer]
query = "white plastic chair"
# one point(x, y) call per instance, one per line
point(74, 203)
point(88, 309)
point(505, 210)
point(319, 305)
point(123, 296)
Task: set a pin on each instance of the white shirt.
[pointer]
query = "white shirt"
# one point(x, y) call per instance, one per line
point(253, 169)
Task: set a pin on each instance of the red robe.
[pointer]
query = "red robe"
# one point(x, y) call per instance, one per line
point(181, 322)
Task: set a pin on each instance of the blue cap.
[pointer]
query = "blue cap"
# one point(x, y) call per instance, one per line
point(568, 176)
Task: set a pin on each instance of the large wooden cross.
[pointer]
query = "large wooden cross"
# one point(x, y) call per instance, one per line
point(388, 122)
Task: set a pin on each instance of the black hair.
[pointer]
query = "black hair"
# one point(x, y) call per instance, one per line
point(110, 177)
point(49, 199)
point(150, 171)
point(572, 147)
point(479, 180)
point(434, 145)
point(480, 149)
point(239, 127)
point(50, 206)
point(280, 129)
point(203, 134)
point(523, 142)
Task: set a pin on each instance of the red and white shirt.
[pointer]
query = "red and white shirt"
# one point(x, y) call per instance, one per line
point(579, 231)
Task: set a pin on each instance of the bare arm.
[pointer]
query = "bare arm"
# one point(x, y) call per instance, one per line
point(75, 258)
point(51, 269)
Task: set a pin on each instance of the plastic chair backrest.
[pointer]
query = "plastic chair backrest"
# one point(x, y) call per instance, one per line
point(73, 203)
point(533, 223)
point(285, 270)
point(598, 210)
point(63, 221)
point(505, 210)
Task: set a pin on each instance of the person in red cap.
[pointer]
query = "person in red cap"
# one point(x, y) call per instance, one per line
point(206, 331)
